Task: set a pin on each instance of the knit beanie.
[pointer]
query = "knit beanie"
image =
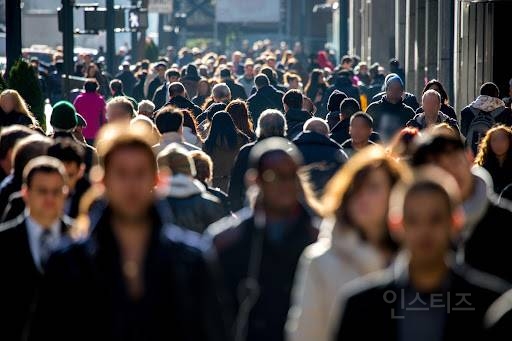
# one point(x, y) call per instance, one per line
point(394, 79)
point(335, 99)
point(63, 116)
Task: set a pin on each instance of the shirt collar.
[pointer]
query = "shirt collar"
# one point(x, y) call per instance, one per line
point(36, 230)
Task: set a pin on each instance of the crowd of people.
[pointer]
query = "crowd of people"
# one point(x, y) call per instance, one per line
point(207, 198)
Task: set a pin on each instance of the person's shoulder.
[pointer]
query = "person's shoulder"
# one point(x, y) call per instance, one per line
point(11, 226)
point(185, 240)
point(228, 229)
point(481, 281)
point(363, 290)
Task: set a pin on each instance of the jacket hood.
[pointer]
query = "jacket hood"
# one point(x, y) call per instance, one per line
point(183, 186)
point(297, 115)
point(487, 103)
point(315, 138)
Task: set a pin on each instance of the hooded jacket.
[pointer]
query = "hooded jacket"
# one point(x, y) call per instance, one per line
point(486, 104)
point(419, 121)
point(295, 119)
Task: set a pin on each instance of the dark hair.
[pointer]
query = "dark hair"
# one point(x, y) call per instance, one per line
point(67, 150)
point(91, 85)
point(346, 59)
point(489, 89)
point(335, 99)
point(293, 99)
point(27, 149)
point(240, 115)
point(204, 165)
point(261, 80)
point(9, 136)
point(176, 89)
point(271, 74)
point(367, 118)
point(225, 73)
point(312, 85)
point(43, 164)
point(169, 120)
point(189, 120)
point(172, 72)
point(349, 106)
point(116, 85)
point(223, 133)
point(442, 91)
point(432, 147)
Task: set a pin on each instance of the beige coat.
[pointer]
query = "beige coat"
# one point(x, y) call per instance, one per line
point(337, 258)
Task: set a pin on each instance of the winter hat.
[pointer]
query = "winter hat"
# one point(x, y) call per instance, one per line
point(177, 159)
point(63, 116)
point(392, 79)
point(335, 100)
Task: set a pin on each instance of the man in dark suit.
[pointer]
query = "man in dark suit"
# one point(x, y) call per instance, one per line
point(27, 241)
point(424, 295)
point(266, 97)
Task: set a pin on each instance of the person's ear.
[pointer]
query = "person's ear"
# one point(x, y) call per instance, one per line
point(24, 194)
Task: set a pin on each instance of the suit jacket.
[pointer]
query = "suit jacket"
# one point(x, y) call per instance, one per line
point(21, 279)
point(368, 302)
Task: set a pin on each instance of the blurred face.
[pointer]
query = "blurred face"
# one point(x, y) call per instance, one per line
point(427, 223)
point(7, 103)
point(173, 79)
point(321, 79)
point(431, 105)
point(457, 164)
point(294, 84)
point(363, 69)
point(500, 143)
point(161, 72)
point(74, 172)
point(45, 197)
point(394, 92)
point(203, 89)
point(279, 183)
point(271, 62)
point(116, 113)
point(359, 130)
point(368, 207)
point(129, 182)
point(249, 69)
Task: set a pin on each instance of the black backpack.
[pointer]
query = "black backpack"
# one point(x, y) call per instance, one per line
point(482, 121)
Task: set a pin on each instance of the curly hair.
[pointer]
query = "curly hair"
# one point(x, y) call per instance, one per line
point(485, 152)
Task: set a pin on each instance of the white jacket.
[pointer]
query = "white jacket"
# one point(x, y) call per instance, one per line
point(323, 269)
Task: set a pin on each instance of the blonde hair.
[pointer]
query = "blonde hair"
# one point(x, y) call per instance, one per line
point(20, 105)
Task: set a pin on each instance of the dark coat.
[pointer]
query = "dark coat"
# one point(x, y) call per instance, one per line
point(265, 98)
point(160, 96)
point(340, 133)
point(91, 155)
point(237, 187)
point(84, 290)
point(128, 80)
point(368, 316)
point(389, 118)
point(233, 238)
point(323, 157)
point(221, 196)
point(409, 99)
point(501, 175)
point(418, 121)
point(138, 88)
point(332, 118)
point(445, 109)
point(21, 279)
point(237, 91)
point(153, 85)
point(192, 206)
point(349, 149)
point(295, 119)
point(467, 115)
point(12, 118)
point(342, 84)
point(10, 185)
point(183, 103)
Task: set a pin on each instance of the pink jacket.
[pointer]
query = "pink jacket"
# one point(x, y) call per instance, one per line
point(91, 106)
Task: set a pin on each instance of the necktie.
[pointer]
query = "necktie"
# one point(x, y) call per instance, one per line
point(45, 247)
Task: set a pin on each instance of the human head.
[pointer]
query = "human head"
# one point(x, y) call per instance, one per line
point(116, 87)
point(293, 80)
point(177, 160)
point(145, 123)
point(271, 123)
point(160, 69)
point(495, 144)
point(172, 76)
point(203, 87)
point(248, 68)
point(273, 167)
point(361, 127)
point(436, 85)
point(316, 125)
point(63, 116)
point(44, 189)
point(119, 109)
point(335, 100)
point(91, 85)
point(204, 166)
point(221, 93)
point(225, 73)
point(394, 89)
point(72, 155)
point(11, 101)
point(292, 99)
point(357, 195)
point(348, 107)
point(447, 152)
point(239, 112)
point(270, 73)
point(27, 149)
point(169, 120)
point(261, 81)
point(346, 62)
point(402, 144)
point(176, 89)
point(431, 102)
point(129, 170)
point(9, 136)
point(425, 213)
point(146, 108)
point(490, 89)
point(223, 133)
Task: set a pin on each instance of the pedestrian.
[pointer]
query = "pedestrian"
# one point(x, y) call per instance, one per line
point(146, 108)
point(222, 145)
point(446, 109)
point(117, 89)
point(495, 155)
point(239, 112)
point(315, 89)
point(266, 97)
point(295, 115)
point(127, 78)
point(431, 114)
point(190, 129)
point(190, 80)
point(177, 99)
point(333, 108)
point(14, 110)
point(91, 105)
point(360, 131)
point(9, 136)
point(247, 79)
point(159, 79)
point(203, 92)
point(408, 98)
point(119, 109)
point(340, 132)
point(258, 251)
point(169, 122)
point(237, 90)
point(161, 95)
point(354, 241)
